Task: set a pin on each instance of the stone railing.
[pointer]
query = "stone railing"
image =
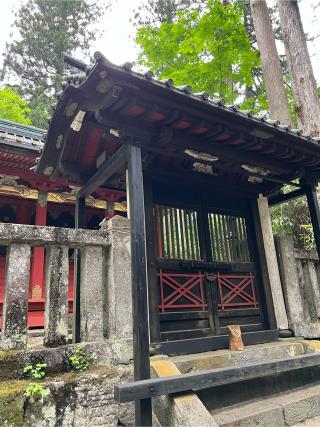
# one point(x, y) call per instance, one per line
point(300, 274)
point(105, 288)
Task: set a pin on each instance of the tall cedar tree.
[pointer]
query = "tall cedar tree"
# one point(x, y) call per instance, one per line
point(300, 68)
point(46, 29)
point(277, 98)
point(155, 12)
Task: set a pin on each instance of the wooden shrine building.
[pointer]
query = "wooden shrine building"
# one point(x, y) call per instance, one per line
point(193, 169)
point(30, 198)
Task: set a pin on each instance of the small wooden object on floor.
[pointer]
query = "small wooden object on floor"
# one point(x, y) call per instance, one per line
point(235, 339)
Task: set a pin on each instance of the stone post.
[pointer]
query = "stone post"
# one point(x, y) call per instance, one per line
point(301, 287)
point(56, 305)
point(118, 279)
point(14, 332)
point(272, 264)
point(92, 281)
point(289, 279)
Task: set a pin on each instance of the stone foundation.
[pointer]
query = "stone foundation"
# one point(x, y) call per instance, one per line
point(74, 399)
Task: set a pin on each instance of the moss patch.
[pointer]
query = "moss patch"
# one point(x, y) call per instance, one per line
point(5, 355)
point(314, 344)
point(12, 402)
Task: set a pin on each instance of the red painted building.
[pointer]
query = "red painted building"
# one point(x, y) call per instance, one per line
point(30, 198)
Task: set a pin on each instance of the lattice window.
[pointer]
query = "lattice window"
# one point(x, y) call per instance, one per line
point(236, 291)
point(181, 291)
point(176, 233)
point(228, 236)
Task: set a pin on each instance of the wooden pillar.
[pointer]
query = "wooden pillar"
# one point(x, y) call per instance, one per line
point(38, 262)
point(153, 287)
point(80, 222)
point(143, 409)
point(313, 205)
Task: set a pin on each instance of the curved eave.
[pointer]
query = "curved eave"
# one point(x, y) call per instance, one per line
point(98, 90)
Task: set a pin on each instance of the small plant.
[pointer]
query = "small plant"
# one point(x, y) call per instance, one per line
point(34, 389)
point(79, 361)
point(36, 372)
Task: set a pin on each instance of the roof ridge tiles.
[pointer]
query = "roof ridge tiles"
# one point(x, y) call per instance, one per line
point(202, 96)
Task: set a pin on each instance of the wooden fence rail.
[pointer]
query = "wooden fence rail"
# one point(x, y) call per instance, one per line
point(210, 378)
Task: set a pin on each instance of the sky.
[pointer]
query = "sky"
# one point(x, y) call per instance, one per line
point(117, 42)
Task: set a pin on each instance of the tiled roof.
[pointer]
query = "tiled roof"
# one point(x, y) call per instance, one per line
point(16, 134)
point(77, 79)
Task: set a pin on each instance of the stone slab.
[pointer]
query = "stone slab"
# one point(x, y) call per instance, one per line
point(103, 353)
point(185, 409)
point(15, 307)
point(281, 410)
point(272, 264)
point(37, 235)
point(118, 279)
point(223, 358)
point(92, 293)
point(307, 329)
point(56, 305)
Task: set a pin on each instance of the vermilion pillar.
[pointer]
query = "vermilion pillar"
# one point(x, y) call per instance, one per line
point(37, 270)
point(110, 209)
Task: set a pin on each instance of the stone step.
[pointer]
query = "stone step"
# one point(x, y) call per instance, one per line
point(286, 409)
point(222, 358)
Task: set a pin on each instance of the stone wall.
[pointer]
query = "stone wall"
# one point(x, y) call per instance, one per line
point(300, 273)
point(74, 399)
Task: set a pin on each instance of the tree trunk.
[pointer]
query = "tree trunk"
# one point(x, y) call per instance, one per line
point(303, 81)
point(277, 98)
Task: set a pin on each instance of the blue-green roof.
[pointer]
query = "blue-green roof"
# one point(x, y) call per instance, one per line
point(21, 130)
point(19, 135)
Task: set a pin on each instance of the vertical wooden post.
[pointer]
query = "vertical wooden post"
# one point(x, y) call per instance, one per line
point(153, 288)
point(313, 205)
point(206, 255)
point(37, 269)
point(143, 409)
point(80, 222)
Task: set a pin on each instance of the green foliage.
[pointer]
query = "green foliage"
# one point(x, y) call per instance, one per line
point(46, 29)
point(79, 360)
point(292, 218)
point(208, 48)
point(154, 12)
point(13, 107)
point(35, 390)
point(36, 372)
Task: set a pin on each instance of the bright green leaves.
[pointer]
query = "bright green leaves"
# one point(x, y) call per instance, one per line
point(207, 48)
point(35, 390)
point(13, 107)
point(79, 360)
